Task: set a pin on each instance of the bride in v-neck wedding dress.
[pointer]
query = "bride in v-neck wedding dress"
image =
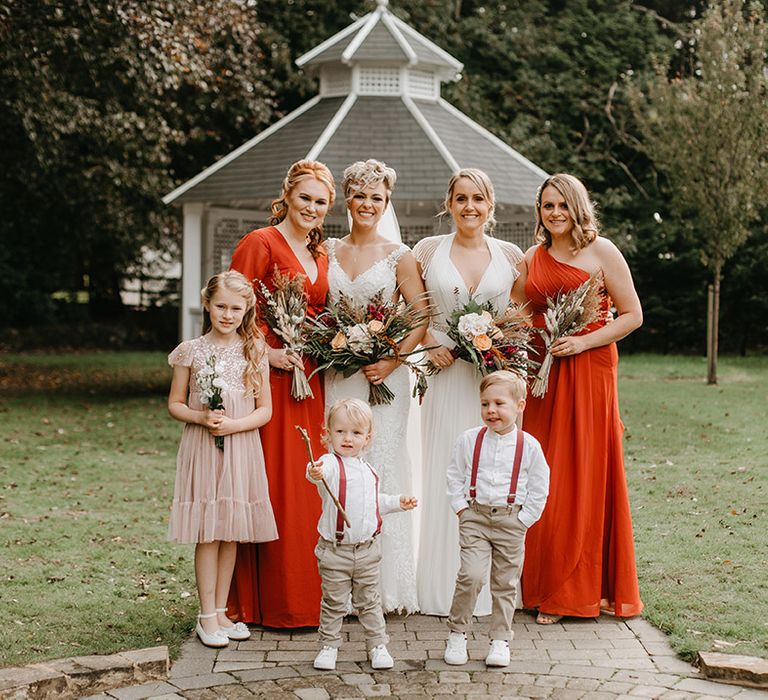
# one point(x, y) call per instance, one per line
point(359, 266)
point(452, 402)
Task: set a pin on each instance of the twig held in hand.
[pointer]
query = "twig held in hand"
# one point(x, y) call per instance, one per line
point(344, 515)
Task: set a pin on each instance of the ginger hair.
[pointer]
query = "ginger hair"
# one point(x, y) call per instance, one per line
point(301, 170)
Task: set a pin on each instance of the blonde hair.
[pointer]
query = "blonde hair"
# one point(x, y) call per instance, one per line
point(358, 411)
point(367, 173)
point(301, 170)
point(254, 345)
point(514, 382)
point(483, 183)
point(580, 207)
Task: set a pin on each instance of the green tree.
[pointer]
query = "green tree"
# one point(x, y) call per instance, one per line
point(706, 131)
point(101, 104)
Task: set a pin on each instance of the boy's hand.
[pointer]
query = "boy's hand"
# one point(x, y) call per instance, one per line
point(316, 471)
point(408, 502)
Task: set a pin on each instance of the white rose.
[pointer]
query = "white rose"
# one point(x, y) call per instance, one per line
point(219, 383)
point(359, 338)
point(471, 325)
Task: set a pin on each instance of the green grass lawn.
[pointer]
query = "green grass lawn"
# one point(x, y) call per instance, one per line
point(87, 462)
point(697, 465)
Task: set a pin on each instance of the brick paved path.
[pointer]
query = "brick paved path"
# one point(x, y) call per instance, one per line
point(587, 659)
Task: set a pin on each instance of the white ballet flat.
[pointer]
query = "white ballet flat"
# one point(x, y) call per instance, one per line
point(238, 632)
point(210, 639)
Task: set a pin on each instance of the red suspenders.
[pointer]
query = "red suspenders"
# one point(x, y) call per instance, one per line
point(515, 465)
point(343, 499)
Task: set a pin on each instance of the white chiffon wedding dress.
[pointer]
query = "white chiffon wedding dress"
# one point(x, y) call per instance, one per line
point(388, 451)
point(451, 406)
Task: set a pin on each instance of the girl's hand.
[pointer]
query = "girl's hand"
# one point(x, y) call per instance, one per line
point(408, 502)
point(379, 371)
point(283, 358)
point(225, 426)
point(569, 345)
point(441, 357)
point(316, 471)
point(211, 419)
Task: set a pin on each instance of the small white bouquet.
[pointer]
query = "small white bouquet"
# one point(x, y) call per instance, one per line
point(211, 385)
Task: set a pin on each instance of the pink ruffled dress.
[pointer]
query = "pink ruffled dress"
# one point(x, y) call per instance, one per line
point(220, 495)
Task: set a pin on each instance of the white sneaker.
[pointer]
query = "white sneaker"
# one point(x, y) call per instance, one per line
point(326, 659)
point(380, 658)
point(456, 649)
point(498, 654)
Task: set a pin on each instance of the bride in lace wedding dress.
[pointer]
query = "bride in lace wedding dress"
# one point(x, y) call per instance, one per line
point(359, 266)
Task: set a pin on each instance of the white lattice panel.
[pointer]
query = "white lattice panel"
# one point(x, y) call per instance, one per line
point(379, 81)
point(228, 227)
point(423, 84)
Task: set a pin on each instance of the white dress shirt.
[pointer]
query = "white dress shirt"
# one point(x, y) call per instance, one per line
point(494, 473)
point(360, 501)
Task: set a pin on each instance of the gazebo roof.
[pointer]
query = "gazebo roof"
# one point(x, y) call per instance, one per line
point(379, 98)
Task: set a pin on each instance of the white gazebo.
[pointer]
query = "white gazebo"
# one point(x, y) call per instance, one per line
point(379, 98)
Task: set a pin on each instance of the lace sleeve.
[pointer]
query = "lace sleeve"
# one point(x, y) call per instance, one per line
point(424, 251)
point(398, 253)
point(512, 253)
point(330, 248)
point(182, 355)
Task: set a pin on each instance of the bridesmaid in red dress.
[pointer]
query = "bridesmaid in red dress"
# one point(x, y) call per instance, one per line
point(277, 584)
point(580, 557)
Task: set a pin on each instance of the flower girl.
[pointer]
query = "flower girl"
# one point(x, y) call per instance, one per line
point(220, 391)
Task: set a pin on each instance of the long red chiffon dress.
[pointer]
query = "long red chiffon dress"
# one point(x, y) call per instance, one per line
point(277, 583)
point(582, 549)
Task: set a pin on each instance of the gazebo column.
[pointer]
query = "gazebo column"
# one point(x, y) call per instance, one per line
point(192, 250)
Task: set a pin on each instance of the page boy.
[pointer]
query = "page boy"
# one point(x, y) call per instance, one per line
point(498, 481)
point(348, 558)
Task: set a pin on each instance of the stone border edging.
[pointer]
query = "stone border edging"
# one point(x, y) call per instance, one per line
point(751, 671)
point(77, 676)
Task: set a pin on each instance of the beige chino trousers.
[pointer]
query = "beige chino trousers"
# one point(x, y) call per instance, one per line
point(495, 533)
point(350, 569)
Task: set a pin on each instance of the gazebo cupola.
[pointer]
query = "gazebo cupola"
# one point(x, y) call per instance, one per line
point(381, 55)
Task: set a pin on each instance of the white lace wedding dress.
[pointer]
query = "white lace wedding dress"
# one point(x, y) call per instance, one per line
point(388, 451)
point(451, 406)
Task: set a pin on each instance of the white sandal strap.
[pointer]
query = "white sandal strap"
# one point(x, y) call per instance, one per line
point(206, 616)
point(219, 610)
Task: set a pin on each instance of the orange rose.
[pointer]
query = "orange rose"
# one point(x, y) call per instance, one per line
point(339, 341)
point(375, 326)
point(482, 342)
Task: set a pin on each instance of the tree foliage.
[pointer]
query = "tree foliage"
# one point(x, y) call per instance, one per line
point(101, 104)
point(707, 131)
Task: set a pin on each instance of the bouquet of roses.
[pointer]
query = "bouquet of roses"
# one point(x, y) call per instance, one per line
point(567, 314)
point(285, 312)
point(348, 336)
point(211, 385)
point(484, 339)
